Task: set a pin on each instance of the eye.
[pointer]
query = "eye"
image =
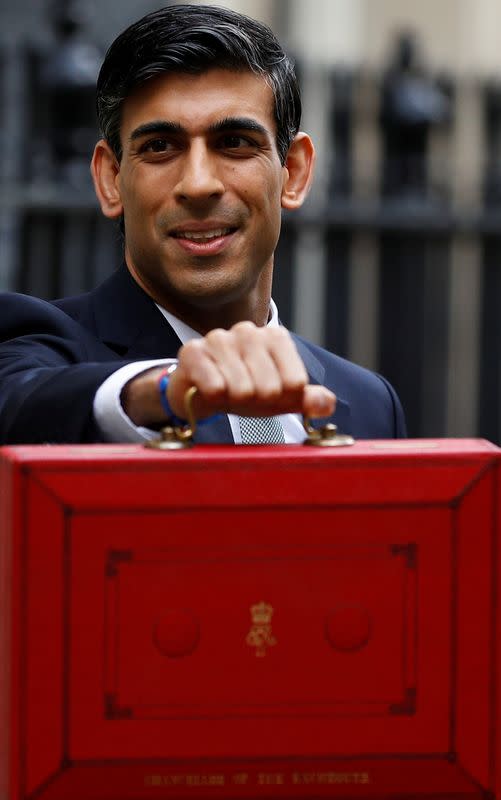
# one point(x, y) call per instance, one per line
point(234, 141)
point(158, 145)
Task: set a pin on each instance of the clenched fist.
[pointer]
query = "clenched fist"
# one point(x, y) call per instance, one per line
point(245, 370)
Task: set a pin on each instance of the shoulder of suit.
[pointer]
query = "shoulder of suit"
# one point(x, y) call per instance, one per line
point(22, 314)
point(329, 359)
point(341, 369)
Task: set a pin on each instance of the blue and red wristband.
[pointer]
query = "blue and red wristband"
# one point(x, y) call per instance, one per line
point(163, 383)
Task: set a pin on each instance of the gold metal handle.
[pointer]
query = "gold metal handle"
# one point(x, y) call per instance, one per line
point(188, 405)
point(177, 437)
point(326, 436)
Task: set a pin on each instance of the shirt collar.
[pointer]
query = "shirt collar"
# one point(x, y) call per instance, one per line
point(185, 333)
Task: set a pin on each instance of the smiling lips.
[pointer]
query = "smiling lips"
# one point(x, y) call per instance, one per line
point(200, 242)
point(202, 236)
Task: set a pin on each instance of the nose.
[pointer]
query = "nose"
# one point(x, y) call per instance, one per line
point(199, 176)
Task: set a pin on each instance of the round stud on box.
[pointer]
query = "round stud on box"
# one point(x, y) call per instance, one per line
point(348, 628)
point(326, 436)
point(177, 633)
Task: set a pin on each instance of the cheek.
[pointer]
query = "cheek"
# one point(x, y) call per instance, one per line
point(264, 194)
point(270, 201)
point(140, 187)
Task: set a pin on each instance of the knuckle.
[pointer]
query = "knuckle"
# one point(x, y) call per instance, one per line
point(191, 349)
point(245, 332)
point(280, 334)
point(244, 326)
point(216, 336)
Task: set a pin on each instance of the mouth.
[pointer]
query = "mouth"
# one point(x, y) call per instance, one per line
point(206, 241)
point(203, 236)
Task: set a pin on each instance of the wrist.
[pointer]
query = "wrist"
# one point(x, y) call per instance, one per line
point(163, 385)
point(140, 399)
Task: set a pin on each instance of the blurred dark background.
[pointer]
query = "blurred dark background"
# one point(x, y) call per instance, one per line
point(395, 261)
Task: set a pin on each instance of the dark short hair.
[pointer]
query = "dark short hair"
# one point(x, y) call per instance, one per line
point(194, 39)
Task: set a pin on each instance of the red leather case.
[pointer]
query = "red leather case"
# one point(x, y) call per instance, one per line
point(250, 622)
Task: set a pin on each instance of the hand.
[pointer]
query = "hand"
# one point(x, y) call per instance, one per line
point(249, 371)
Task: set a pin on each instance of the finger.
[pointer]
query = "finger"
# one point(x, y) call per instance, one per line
point(287, 359)
point(223, 347)
point(253, 347)
point(274, 363)
point(264, 373)
point(196, 367)
point(318, 401)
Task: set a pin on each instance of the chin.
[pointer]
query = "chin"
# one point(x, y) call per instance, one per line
point(211, 294)
point(211, 301)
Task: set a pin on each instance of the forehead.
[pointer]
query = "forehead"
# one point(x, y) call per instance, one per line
point(197, 101)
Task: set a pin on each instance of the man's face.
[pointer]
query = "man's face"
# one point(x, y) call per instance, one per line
point(201, 183)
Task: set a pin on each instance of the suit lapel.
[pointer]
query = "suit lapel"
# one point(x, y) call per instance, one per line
point(128, 321)
point(316, 373)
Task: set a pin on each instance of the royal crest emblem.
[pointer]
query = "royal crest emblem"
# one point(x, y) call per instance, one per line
point(260, 635)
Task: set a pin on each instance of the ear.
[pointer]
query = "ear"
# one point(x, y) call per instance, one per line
point(104, 169)
point(298, 172)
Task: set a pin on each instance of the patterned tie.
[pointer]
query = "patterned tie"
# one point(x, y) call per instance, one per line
point(261, 430)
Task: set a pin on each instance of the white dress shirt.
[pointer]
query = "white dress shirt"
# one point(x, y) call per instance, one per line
point(116, 426)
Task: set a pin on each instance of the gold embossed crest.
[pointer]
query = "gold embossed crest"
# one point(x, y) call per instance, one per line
point(260, 635)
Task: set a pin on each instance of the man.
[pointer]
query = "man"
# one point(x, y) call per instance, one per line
point(199, 110)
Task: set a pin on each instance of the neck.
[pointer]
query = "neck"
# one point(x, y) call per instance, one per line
point(222, 317)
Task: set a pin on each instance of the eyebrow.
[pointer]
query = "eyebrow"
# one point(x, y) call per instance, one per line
point(226, 124)
point(238, 123)
point(158, 126)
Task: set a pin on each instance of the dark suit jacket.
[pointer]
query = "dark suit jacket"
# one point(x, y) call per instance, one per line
point(54, 356)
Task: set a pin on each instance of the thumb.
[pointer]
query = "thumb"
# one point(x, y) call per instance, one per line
point(318, 401)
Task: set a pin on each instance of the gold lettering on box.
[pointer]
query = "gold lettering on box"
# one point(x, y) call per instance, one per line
point(330, 778)
point(240, 778)
point(260, 635)
point(184, 780)
point(270, 779)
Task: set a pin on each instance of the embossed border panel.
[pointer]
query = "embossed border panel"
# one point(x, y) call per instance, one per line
point(103, 542)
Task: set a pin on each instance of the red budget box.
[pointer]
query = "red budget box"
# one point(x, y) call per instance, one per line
point(250, 622)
